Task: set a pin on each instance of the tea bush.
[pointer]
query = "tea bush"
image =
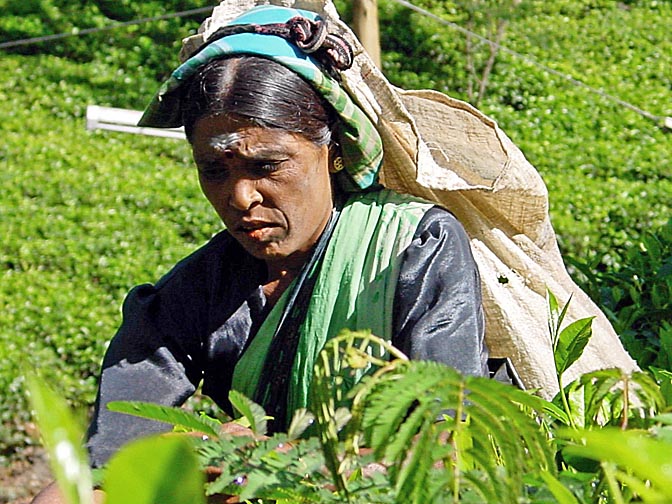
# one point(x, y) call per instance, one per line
point(608, 169)
point(381, 441)
point(638, 297)
point(84, 216)
point(148, 48)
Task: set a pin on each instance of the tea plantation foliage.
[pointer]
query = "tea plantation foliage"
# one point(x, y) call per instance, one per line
point(494, 443)
point(86, 215)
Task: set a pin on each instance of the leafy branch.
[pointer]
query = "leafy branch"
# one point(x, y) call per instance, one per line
point(386, 429)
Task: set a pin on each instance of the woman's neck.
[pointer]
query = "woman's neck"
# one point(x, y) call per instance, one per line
point(278, 279)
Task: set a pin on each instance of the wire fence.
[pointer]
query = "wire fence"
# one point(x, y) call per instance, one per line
point(88, 31)
point(662, 121)
point(571, 79)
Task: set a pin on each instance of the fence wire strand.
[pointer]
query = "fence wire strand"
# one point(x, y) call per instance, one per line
point(87, 31)
point(660, 120)
point(576, 82)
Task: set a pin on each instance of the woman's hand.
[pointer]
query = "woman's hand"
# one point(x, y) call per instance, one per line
point(52, 495)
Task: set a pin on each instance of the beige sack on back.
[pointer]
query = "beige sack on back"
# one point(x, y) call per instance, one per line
point(446, 151)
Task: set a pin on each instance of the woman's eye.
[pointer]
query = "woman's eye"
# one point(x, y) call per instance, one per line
point(266, 167)
point(213, 173)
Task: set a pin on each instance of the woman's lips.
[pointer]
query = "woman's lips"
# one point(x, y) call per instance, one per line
point(256, 234)
point(256, 230)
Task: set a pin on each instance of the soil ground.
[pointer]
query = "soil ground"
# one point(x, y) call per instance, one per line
point(23, 477)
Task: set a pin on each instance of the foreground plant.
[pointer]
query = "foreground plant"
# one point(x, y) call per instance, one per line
point(147, 471)
point(442, 436)
point(589, 419)
point(408, 432)
point(436, 436)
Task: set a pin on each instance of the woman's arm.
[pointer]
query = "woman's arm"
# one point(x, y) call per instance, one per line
point(438, 308)
point(52, 495)
point(154, 357)
point(170, 335)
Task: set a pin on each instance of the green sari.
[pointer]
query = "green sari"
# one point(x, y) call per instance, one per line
point(354, 289)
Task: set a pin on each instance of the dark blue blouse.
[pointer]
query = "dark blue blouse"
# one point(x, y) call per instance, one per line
point(193, 325)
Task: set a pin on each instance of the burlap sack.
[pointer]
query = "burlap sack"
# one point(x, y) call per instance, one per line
point(446, 151)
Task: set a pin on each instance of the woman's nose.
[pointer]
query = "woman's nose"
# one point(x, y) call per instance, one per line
point(244, 194)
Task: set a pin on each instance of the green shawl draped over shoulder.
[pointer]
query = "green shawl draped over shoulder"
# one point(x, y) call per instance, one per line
point(354, 290)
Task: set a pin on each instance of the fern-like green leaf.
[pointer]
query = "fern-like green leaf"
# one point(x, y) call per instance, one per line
point(347, 359)
point(486, 474)
point(487, 442)
point(412, 480)
point(394, 397)
point(495, 449)
point(506, 425)
point(480, 488)
point(325, 393)
point(534, 444)
point(173, 416)
point(557, 489)
point(403, 408)
point(396, 446)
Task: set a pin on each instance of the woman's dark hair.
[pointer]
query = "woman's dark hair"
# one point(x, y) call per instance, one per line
point(267, 93)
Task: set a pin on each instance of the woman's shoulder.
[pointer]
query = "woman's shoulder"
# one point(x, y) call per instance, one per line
point(197, 280)
point(438, 220)
point(205, 261)
point(385, 196)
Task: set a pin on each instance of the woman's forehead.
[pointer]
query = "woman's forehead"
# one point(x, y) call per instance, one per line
point(257, 143)
point(220, 135)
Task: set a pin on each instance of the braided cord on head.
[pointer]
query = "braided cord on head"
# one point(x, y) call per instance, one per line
point(311, 37)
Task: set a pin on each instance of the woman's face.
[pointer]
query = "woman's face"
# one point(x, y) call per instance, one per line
point(270, 187)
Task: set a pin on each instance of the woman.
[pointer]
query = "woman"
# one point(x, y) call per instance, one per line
point(312, 244)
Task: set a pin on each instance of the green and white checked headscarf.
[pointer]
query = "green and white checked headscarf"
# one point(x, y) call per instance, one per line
point(361, 146)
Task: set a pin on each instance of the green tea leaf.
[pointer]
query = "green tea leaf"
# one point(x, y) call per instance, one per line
point(664, 378)
point(556, 413)
point(159, 469)
point(571, 342)
point(552, 316)
point(575, 408)
point(63, 439)
point(253, 413)
point(173, 416)
point(597, 387)
point(648, 391)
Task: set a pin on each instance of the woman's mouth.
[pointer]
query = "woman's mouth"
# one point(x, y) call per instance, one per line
point(257, 231)
point(256, 234)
